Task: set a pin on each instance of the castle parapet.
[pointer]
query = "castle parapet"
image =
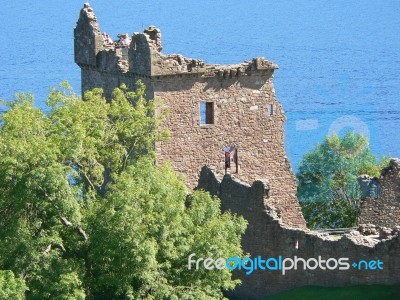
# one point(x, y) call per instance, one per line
point(87, 38)
point(141, 54)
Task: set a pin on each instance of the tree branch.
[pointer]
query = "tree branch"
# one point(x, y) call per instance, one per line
point(79, 229)
point(85, 175)
point(89, 181)
point(65, 221)
point(48, 249)
point(82, 233)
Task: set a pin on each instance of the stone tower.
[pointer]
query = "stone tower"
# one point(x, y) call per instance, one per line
point(222, 116)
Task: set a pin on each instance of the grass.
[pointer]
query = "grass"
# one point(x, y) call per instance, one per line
point(362, 292)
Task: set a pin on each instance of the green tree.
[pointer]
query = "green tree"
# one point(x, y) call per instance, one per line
point(86, 214)
point(145, 230)
point(11, 287)
point(328, 190)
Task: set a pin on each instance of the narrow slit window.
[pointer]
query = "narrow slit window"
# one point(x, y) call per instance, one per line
point(271, 109)
point(231, 160)
point(206, 113)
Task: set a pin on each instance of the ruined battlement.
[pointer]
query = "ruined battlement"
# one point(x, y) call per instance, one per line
point(141, 54)
point(87, 37)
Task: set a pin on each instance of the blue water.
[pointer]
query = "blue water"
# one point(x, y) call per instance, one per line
point(339, 60)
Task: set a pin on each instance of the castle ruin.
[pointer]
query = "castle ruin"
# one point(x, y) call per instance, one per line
point(227, 138)
point(225, 117)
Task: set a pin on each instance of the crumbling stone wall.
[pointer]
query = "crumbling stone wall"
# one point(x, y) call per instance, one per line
point(107, 65)
point(88, 40)
point(385, 209)
point(246, 114)
point(267, 236)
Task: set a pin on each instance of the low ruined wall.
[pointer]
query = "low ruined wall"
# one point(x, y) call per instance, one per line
point(267, 237)
point(384, 210)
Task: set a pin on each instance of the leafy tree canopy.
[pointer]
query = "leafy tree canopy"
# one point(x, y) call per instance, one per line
point(11, 287)
point(328, 190)
point(86, 214)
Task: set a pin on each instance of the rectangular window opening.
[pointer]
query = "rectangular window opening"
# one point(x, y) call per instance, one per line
point(231, 160)
point(271, 109)
point(206, 113)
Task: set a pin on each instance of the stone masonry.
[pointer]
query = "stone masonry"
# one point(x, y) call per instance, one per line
point(383, 209)
point(212, 108)
point(267, 236)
